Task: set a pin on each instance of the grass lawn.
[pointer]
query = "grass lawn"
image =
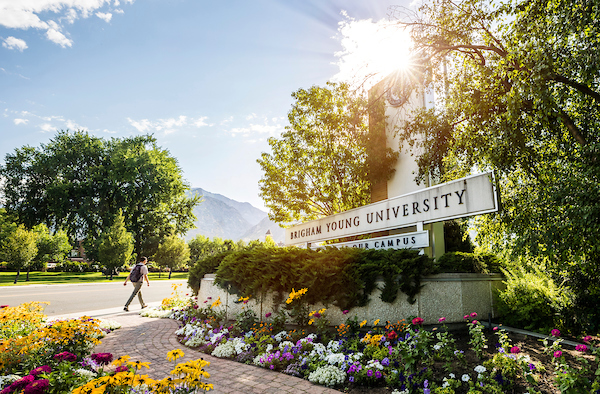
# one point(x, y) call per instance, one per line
point(7, 277)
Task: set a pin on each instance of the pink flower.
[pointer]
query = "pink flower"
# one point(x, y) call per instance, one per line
point(121, 368)
point(65, 356)
point(495, 328)
point(39, 370)
point(3, 306)
point(465, 316)
point(474, 314)
point(557, 353)
point(587, 338)
point(345, 311)
point(209, 298)
point(19, 384)
point(442, 319)
point(474, 322)
point(555, 333)
point(195, 306)
point(268, 315)
point(392, 335)
point(581, 348)
point(37, 387)
point(515, 349)
point(417, 321)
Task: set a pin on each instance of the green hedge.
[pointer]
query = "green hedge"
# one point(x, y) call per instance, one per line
point(344, 277)
point(481, 263)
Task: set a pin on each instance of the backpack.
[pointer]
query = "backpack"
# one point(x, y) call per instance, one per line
point(136, 273)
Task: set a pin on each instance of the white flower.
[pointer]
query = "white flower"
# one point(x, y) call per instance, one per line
point(89, 375)
point(328, 375)
point(452, 376)
point(437, 346)
point(335, 358)
point(465, 378)
point(109, 324)
point(400, 392)
point(224, 350)
point(480, 369)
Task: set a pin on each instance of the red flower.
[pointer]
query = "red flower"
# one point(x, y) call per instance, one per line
point(417, 321)
point(392, 335)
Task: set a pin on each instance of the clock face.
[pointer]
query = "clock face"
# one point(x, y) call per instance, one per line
point(398, 90)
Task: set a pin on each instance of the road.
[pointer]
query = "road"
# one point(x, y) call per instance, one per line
point(97, 298)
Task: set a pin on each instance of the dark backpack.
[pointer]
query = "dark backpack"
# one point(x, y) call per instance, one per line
point(136, 273)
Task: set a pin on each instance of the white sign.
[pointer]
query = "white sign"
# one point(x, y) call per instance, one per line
point(417, 240)
point(463, 197)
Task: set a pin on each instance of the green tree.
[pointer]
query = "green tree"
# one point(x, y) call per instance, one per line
point(172, 253)
point(115, 246)
point(19, 248)
point(51, 247)
point(521, 96)
point(319, 165)
point(78, 182)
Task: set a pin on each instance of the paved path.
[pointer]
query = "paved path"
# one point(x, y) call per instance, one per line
point(150, 339)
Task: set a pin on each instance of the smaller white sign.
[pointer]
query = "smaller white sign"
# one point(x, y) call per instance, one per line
point(416, 240)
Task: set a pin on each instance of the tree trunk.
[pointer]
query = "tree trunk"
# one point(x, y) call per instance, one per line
point(17, 277)
point(170, 273)
point(27, 276)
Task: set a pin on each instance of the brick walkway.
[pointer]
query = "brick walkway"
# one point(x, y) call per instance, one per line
point(150, 339)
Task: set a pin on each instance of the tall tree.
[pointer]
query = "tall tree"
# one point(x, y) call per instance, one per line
point(173, 253)
point(19, 248)
point(115, 246)
point(78, 183)
point(319, 165)
point(521, 88)
point(51, 247)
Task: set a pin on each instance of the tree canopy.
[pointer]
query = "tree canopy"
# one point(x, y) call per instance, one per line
point(319, 165)
point(520, 94)
point(78, 183)
point(115, 246)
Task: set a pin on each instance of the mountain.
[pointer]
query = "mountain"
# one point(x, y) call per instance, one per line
point(223, 217)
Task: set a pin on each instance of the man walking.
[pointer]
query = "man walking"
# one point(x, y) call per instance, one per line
point(137, 276)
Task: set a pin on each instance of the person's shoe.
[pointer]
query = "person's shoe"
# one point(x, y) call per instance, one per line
point(145, 306)
point(126, 309)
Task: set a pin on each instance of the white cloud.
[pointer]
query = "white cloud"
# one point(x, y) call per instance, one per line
point(47, 128)
point(42, 14)
point(269, 127)
point(58, 38)
point(105, 16)
point(119, 11)
point(20, 121)
point(167, 126)
point(14, 43)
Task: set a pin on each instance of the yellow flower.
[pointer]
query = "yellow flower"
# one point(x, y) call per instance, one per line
point(312, 313)
point(174, 354)
point(375, 322)
point(120, 361)
point(322, 310)
point(216, 303)
point(139, 364)
point(362, 323)
point(311, 321)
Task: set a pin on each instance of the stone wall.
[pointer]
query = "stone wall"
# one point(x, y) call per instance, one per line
point(450, 295)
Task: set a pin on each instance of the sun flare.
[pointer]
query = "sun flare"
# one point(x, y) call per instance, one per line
point(372, 48)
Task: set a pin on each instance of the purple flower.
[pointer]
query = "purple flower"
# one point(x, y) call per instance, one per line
point(39, 370)
point(531, 367)
point(378, 374)
point(102, 358)
point(121, 368)
point(351, 379)
point(37, 387)
point(385, 362)
point(345, 311)
point(317, 315)
point(268, 315)
point(65, 356)
point(271, 366)
point(555, 333)
point(369, 373)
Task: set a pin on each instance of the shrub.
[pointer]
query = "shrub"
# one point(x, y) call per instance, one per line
point(531, 300)
point(205, 266)
point(481, 263)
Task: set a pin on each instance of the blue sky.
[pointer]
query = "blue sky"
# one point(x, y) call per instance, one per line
point(211, 80)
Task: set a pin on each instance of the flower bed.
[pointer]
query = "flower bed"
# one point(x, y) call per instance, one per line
point(39, 356)
point(401, 357)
